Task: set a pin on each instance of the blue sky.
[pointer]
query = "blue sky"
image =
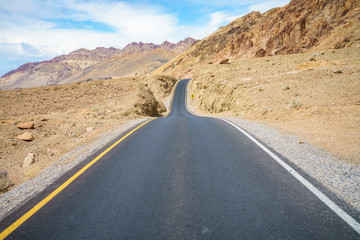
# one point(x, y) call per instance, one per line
point(36, 30)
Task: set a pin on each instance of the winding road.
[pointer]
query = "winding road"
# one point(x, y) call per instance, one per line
point(181, 177)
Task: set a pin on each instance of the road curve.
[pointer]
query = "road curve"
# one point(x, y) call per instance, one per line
point(182, 177)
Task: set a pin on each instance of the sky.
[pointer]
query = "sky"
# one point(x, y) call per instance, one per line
point(36, 30)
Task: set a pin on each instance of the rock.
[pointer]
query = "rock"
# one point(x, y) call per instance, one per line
point(312, 59)
point(26, 125)
point(295, 103)
point(89, 129)
point(338, 71)
point(5, 183)
point(225, 61)
point(260, 53)
point(29, 160)
point(26, 136)
point(44, 119)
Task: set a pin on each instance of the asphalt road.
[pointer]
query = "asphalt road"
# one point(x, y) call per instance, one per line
point(184, 177)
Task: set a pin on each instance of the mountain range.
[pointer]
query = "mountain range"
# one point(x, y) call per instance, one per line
point(83, 64)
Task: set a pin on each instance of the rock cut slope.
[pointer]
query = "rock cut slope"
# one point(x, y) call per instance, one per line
point(300, 26)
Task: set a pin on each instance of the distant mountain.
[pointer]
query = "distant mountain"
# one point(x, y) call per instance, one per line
point(137, 64)
point(179, 47)
point(300, 26)
point(79, 64)
point(81, 57)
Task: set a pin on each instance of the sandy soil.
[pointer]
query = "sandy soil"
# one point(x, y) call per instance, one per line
point(313, 95)
point(71, 115)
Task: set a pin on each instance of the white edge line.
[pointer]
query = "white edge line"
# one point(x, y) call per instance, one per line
point(333, 206)
point(328, 202)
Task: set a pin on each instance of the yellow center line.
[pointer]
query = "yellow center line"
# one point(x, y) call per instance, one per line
point(36, 208)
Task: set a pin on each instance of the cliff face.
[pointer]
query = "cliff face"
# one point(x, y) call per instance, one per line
point(300, 26)
point(103, 62)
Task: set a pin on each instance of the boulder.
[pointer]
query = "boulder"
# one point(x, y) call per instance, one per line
point(29, 160)
point(26, 125)
point(26, 136)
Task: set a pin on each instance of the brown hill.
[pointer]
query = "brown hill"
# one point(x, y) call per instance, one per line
point(78, 65)
point(138, 64)
point(300, 26)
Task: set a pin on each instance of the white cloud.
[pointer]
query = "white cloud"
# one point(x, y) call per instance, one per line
point(267, 5)
point(29, 34)
point(36, 35)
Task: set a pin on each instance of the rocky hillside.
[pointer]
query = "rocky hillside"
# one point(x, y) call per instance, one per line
point(82, 64)
point(300, 26)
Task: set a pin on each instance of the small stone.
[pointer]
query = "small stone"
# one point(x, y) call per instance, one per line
point(89, 129)
point(338, 71)
point(26, 136)
point(312, 59)
point(26, 125)
point(284, 88)
point(44, 119)
point(301, 142)
point(4, 181)
point(29, 160)
point(249, 68)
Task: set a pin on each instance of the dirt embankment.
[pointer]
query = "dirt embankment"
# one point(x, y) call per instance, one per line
point(70, 115)
point(312, 95)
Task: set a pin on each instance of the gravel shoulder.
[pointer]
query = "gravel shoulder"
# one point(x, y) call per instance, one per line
point(340, 177)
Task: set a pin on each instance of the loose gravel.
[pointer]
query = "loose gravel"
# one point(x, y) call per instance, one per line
point(341, 178)
point(13, 199)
